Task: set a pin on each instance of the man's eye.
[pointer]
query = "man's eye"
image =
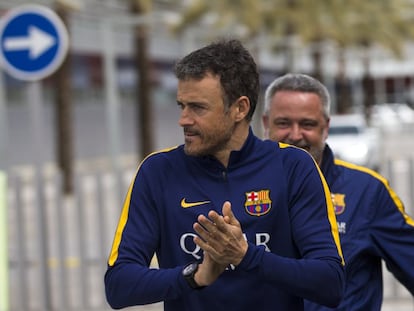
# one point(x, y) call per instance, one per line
point(308, 126)
point(282, 124)
point(198, 109)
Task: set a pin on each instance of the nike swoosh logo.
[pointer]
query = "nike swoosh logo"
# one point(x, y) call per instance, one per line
point(185, 204)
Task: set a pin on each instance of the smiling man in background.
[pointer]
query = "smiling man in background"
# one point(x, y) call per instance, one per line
point(371, 218)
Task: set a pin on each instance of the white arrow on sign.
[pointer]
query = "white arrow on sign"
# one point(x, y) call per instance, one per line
point(37, 42)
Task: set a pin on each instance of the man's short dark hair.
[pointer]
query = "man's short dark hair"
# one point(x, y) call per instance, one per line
point(229, 60)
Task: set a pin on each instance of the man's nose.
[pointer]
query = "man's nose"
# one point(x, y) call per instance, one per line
point(185, 118)
point(295, 133)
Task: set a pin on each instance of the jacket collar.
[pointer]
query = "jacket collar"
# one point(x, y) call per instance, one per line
point(236, 158)
point(328, 167)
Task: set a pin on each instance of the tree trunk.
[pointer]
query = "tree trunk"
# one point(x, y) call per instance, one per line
point(317, 62)
point(344, 101)
point(144, 106)
point(64, 129)
point(288, 45)
point(368, 87)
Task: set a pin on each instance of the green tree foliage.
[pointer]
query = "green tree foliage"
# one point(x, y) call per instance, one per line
point(345, 23)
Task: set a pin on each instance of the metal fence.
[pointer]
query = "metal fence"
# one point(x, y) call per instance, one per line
point(58, 245)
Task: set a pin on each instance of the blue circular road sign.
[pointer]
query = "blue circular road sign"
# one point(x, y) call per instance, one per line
point(34, 42)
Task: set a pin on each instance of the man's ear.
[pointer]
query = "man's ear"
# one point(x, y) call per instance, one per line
point(241, 108)
point(265, 121)
point(326, 131)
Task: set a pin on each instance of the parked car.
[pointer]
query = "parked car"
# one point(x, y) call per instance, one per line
point(392, 117)
point(352, 140)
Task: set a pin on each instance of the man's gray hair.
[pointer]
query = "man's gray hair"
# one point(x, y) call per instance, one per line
point(300, 83)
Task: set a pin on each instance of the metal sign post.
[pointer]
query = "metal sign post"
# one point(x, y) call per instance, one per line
point(33, 44)
point(4, 275)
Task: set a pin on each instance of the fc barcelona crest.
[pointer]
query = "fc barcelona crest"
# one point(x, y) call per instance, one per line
point(258, 203)
point(338, 200)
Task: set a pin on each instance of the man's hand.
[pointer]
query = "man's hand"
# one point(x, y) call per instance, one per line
point(221, 236)
point(208, 271)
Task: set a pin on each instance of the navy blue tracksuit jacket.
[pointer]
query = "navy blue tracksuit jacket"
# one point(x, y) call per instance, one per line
point(283, 204)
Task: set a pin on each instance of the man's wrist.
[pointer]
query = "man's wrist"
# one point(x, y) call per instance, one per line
point(243, 254)
point(189, 273)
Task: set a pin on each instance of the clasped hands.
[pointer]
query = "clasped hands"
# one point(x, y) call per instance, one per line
point(221, 238)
